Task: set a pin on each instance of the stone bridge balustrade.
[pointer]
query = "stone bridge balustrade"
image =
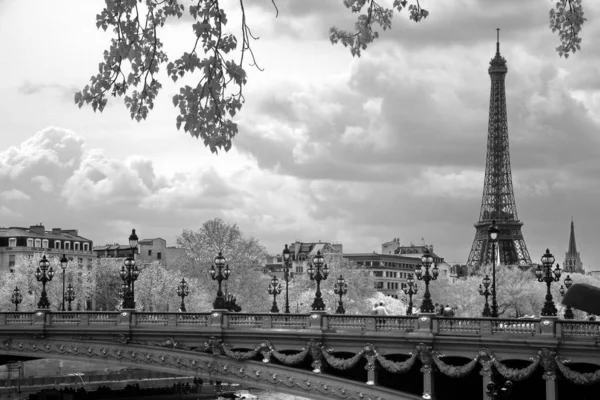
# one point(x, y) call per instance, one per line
point(241, 336)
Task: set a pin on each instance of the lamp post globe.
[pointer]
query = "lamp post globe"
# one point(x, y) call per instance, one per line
point(274, 290)
point(287, 261)
point(410, 290)
point(547, 275)
point(129, 273)
point(183, 290)
point(426, 261)
point(318, 271)
point(341, 288)
point(64, 261)
point(568, 282)
point(220, 276)
point(44, 273)
point(485, 291)
point(70, 296)
point(493, 233)
point(16, 298)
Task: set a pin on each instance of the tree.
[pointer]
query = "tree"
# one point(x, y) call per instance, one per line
point(80, 276)
point(206, 110)
point(361, 286)
point(107, 283)
point(244, 255)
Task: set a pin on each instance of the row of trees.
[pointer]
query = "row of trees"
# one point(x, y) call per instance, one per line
point(156, 287)
point(518, 292)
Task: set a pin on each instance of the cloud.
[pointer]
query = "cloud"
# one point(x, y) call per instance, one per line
point(14, 194)
point(66, 93)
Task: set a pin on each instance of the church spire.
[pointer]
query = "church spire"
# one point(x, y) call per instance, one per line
point(572, 245)
point(572, 259)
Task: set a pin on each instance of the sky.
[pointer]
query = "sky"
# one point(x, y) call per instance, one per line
point(330, 147)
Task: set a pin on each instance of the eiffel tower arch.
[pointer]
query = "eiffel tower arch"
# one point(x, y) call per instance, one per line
point(498, 202)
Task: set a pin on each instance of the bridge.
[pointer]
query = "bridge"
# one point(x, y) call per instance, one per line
point(320, 356)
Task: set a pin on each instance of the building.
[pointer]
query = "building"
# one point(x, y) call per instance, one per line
point(301, 254)
point(36, 239)
point(148, 251)
point(396, 264)
point(572, 261)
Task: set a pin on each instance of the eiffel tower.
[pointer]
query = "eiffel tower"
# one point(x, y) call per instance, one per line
point(498, 202)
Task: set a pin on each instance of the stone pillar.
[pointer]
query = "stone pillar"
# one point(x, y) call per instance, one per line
point(371, 366)
point(548, 325)
point(548, 362)
point(316, 319)
point(486, 372)
point(427, 369)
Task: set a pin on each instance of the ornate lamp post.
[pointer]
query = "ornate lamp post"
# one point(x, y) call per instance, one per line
point(70, 296)
point(485, 291)
point(493, 236)
point(44, 273)
point(341, 288)
point(318, 272)
point(16, 298)
point(63, 264)
point(410, 290)
point(427, 260)
point(286, 275)
point(274, 290)
point(548, 276)
point(568, 282)
point(129, 273)
point(222, 275)
point(183, 290)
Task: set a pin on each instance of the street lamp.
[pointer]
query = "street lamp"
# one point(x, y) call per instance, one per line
point(341, 288)
point(16, 298)
point(44, 273)
point(286, 275)
point(493, 236)
point(70, 296)
point(427, 260)
point(274, 290)
point(129, 273)
point(183, 290)
point(410, 290)
point(318, 272)
point(568, 282)
point(222, 275)
point(485, 291)
point(548, 276)
point(63, 264)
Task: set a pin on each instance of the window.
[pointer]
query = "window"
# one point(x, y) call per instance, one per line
point(378, 285)
point(149, 252)
point(86, 247)
point(158, 255)
point(80, 261)
point(67, 245)
point(38, 242)
point(76, 246)
point(57, 244)
point(11, 262)
point(45, 243)
point(12, 242)
point(29, 242)
point(378, 273)
point(299, 269)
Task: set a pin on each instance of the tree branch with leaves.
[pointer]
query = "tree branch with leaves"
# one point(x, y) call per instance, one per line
point(207, 109)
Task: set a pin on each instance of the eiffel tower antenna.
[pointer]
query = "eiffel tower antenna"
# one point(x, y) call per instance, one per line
point(498, 200)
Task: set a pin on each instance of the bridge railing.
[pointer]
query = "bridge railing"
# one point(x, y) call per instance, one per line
point(396, 325)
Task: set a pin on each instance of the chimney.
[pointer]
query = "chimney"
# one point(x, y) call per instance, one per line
point(39, 229)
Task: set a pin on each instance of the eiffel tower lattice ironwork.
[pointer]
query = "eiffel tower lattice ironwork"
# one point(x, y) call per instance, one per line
point(498, 202)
